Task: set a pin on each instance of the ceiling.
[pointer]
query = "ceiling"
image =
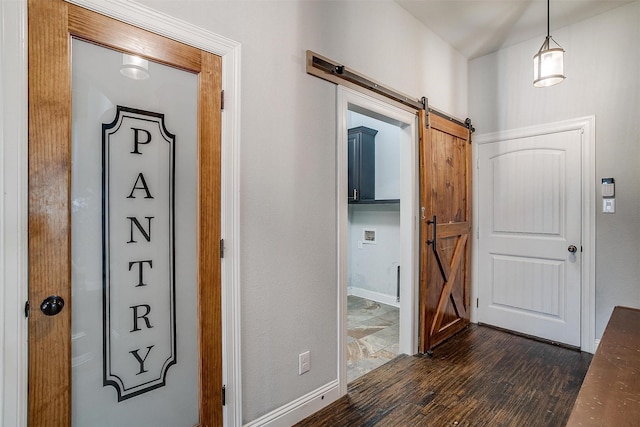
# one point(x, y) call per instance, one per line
point(478, 27)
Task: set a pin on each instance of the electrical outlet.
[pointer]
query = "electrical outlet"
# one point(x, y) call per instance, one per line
point(304, 362)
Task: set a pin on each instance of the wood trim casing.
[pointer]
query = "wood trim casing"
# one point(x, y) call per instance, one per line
point(49, 213)
point(51, 24)
point(113, 34)
point(209, 208)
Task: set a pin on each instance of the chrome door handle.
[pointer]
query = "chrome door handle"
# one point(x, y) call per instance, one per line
point(572, 249)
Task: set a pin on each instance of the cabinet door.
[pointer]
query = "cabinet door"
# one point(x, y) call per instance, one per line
point(367, 166)
point(354, 173)
point(362, 164)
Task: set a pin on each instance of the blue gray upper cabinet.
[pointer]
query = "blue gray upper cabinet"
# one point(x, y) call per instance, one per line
point(362, 164)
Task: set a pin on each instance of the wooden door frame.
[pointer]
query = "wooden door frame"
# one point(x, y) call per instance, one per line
point(586, 125)
point(52, 25)
point(13, 143)
point(409, 223)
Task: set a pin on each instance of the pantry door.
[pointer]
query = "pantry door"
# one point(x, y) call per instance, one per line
point(445, 228)
point(124, 224)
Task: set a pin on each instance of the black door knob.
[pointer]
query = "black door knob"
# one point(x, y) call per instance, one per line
point(572, 249)
point(52, 305)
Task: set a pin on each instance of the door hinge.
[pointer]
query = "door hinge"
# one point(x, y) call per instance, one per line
point(224, 395)
point(221, 248)
point(477, 302)
point(26, 309)
point(222, 100)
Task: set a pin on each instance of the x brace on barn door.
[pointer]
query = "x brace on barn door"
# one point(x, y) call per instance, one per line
point(448, 273)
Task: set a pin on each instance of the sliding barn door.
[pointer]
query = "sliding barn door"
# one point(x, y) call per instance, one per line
point(445, 227)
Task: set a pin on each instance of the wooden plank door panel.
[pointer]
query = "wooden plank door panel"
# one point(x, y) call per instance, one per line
point(445, 195)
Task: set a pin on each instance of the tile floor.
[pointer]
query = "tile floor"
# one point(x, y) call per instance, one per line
point(372, 335)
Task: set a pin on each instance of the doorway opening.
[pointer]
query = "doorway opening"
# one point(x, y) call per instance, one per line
point(377, 187)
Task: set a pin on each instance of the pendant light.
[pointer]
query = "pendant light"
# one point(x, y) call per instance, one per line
point(548, 68)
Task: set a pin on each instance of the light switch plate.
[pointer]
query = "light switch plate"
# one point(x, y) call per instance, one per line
point(608, 205)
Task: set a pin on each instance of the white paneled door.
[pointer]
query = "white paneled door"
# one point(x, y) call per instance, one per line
point(530, 235)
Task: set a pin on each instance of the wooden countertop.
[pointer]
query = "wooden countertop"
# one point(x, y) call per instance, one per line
point(610, 393)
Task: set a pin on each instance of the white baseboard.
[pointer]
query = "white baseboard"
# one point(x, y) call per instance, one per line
point(374, 296)
point(299, 409)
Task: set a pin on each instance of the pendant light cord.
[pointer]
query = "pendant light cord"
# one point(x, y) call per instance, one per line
point(548, 13)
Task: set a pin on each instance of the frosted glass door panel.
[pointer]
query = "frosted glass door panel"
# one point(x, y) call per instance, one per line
point(134, 290)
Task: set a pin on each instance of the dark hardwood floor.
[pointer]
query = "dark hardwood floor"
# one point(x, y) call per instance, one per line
point(480, 377)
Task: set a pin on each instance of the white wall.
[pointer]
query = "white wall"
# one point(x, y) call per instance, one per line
point(373, 267)
point(288, 157)
point(602, 65)
point(288, 195)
